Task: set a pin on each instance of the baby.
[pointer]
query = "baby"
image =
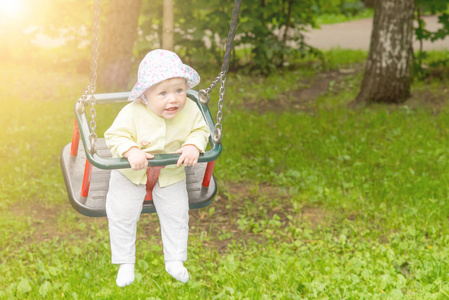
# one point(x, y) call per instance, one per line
point(160, 119)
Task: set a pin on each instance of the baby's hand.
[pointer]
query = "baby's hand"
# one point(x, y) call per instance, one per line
point(189, 155)
point(137, 158)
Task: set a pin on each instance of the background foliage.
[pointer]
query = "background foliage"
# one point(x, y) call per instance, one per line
point(440, 7)
point(201, 30)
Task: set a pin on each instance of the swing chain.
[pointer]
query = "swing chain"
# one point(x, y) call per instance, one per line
point(219, 127)
point(204, 95)
point(88, 95)
point(93, 125)
point(231, 36)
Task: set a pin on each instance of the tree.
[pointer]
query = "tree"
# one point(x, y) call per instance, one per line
point(422, 33)
point(274, 31)
point(168, 25)
point(387, 76)
point(116, 44)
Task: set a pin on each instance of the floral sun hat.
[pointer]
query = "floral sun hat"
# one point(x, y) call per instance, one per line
point(159, 65)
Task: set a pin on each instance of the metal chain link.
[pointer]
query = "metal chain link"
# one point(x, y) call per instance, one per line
point(204, 95)
point(81, 101)
point(93, 125)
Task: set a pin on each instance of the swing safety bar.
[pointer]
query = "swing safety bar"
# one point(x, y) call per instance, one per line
point(108, 163)
point(152, 175)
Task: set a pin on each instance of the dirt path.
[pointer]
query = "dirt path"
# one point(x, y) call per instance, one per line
point(357, 34)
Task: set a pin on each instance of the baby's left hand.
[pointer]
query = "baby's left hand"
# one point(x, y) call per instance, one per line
point(189, 155)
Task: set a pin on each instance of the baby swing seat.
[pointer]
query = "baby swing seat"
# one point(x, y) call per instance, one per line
point(87, 175)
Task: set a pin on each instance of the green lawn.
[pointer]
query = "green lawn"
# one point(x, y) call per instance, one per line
point(316, 200)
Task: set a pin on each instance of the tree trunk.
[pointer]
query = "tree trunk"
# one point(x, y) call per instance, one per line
point(369, 3)
point(289, 23)
point(387, 75)
point(168, 34)
point(116, 44)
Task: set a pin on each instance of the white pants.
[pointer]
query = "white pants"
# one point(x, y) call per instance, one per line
point(123, 207)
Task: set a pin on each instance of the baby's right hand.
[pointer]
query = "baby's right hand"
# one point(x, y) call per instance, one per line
point(137, 158)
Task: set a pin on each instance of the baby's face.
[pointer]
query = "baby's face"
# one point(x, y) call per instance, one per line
point(167, 98)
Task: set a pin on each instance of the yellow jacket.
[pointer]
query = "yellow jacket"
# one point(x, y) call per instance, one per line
point(137, 126)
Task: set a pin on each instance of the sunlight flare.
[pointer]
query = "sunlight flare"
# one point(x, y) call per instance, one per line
point(11, 8)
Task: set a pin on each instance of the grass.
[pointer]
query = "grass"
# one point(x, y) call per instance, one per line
point(327, 203)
